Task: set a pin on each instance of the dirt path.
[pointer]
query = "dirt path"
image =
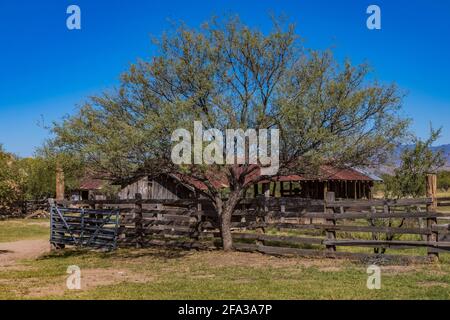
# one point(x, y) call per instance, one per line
point(11, 252)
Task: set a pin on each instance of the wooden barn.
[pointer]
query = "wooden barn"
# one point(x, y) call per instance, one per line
point(165, 186)
point(346, 183)
point(89, 189)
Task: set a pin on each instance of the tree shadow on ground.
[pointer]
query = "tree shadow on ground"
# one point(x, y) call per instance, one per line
point(124, 253)
point(158, 253)
point(64, 253)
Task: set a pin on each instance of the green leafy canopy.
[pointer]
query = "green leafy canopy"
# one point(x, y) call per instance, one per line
point(229, 75)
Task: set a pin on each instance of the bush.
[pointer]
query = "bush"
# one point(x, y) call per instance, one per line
point(11, 179)
point(444, 180)
point(34, 178)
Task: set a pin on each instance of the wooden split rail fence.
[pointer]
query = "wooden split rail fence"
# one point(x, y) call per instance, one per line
point(362, 229)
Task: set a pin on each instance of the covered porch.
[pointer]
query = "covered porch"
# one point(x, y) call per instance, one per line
point(315, 189)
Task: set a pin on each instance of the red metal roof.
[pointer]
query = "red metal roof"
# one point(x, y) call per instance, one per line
point(219, 180)
point(91, 184)
point(325, 173)
point(331, 173)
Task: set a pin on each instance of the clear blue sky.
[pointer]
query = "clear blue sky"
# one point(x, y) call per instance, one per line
point(47, 70)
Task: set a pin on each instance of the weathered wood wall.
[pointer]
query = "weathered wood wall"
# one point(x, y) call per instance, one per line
point(163, 187)
point(140, 186)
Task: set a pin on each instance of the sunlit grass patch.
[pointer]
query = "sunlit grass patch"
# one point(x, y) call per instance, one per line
point(23, 229)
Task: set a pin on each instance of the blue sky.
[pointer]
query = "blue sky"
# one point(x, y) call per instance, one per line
point(47, 70)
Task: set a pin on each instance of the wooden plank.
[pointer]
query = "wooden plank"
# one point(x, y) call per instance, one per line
point(388, 243)
point(77, 220)
point(179, 244)
point(350, 228)
point(179, 202)
point(193, 202)
point(379, 202)
point(361, 215)
point(327, 254)
point(174, 219)
point(86, 211)
point(171, 217)
point(79, 228)
point(266, 237)
point(168, 227)
point(260, 201)
point(443, 204)
point(363, 243)
point(170, 213)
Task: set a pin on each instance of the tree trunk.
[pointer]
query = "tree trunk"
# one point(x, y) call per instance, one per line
point(225, 229)
point(225, 211)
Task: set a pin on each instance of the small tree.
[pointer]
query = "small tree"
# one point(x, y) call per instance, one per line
point(417, 160)
point(39, 176)
point(10, 179)
point(34, 177)
point(444, 180)
point(41, 172)
point(409, 178)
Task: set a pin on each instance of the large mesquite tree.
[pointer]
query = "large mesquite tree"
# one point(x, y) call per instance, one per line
point(228, 75)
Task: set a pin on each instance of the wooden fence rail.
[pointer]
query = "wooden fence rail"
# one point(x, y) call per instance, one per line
point(443, 202)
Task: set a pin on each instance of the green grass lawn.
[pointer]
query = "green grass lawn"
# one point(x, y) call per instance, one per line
point(174, 274)
point(443, 194)
point(20, 229)
point(157, 274)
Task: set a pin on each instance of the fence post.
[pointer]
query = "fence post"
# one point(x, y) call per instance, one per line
point(283, 210)
point(24, 206)
point(331, 234)
point(92, 216)
point(431, 184)
point(265, 220)
point(266, 189)
point(198, 227)
point(138, 220)
point(373, 211)
point(255, 190)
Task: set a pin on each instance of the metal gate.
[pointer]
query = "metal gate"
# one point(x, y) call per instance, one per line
point(83, 227)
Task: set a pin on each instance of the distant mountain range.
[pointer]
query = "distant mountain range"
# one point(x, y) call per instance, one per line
point(445, 149)
point(395, 161)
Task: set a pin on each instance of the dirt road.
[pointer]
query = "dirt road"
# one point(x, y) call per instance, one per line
point(11, 252)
